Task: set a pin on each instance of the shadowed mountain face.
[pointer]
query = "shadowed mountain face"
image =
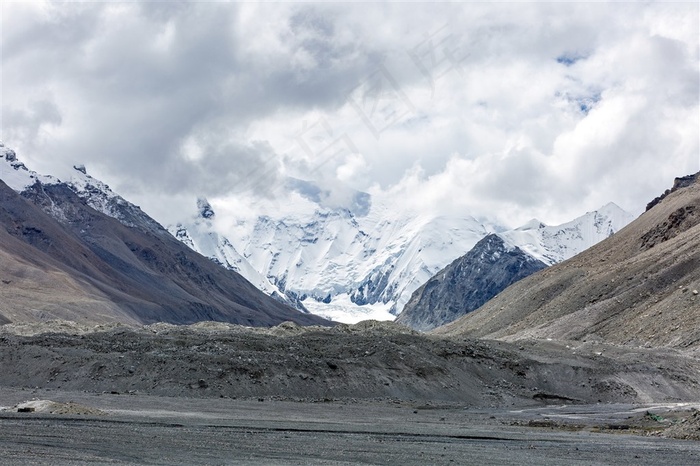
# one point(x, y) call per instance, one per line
point(467, 283)
point(62, 259)
point(638, 287)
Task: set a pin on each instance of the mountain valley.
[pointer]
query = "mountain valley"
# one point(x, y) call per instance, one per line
point(98, 300)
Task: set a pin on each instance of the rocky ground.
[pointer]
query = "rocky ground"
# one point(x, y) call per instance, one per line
point(372, 393)
point(142, 429)
point(370, 360)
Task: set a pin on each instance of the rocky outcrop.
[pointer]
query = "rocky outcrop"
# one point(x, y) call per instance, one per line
point(678, 183)
point(205, 210)
point(677, 222)
point(467, 283)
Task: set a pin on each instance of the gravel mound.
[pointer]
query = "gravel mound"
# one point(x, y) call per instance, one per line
point(364, 361)
point(56, 326)
point(687, 428)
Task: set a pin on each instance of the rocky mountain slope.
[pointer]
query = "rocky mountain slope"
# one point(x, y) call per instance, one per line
point(467, 283)
point(62, 258)
point(638, 287)
point(501, 259)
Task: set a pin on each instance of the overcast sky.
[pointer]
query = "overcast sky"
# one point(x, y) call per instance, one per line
point(510, 111)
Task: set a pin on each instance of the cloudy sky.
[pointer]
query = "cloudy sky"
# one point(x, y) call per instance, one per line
point(504, 110)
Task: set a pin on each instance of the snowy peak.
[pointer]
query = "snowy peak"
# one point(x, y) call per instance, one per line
point(97, 194)
point(204, 208)
point(16, 175)
point(552, 244)
point(93, 192)
point(180, 232)
point(100, 197)
point(200, 235)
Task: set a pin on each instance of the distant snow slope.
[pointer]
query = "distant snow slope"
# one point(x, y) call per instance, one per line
point(352, 260)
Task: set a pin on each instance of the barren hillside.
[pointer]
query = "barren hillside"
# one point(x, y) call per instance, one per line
point(62, 259)
point(639, 287)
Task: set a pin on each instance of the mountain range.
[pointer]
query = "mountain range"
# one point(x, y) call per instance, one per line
point(500, 259)
point(77, 251)
point(350, 256)
point(340, 255)
point(336, 252)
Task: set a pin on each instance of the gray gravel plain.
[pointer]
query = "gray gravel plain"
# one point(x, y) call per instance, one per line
point(141, 429)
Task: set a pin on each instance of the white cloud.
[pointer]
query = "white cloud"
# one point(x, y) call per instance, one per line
point(355, 165)
point(513, 110)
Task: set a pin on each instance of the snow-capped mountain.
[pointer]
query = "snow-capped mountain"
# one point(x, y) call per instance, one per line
point(100, 197)
point(95, 193)
point(552, 244)
point(199, 234)
point(502, 259)
point(79, 251)
point(351, 257)
point(16, 175)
